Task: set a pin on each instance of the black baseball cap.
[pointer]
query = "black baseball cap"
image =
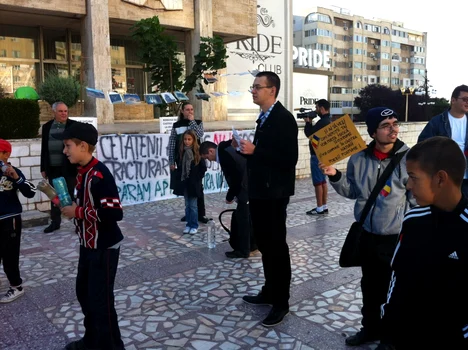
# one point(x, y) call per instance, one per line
point(81, 131)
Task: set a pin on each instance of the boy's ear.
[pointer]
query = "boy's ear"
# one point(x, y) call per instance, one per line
point(442, 177)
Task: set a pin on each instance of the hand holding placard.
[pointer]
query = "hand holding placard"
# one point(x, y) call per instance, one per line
point(337, 141)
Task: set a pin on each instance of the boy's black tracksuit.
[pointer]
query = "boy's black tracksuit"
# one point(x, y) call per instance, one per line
point(98, 211)
point(10, 223)
point(427, 304)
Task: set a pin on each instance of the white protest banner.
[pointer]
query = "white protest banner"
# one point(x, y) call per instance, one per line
point(140, 164)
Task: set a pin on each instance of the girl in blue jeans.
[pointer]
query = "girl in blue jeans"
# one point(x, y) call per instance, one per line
point(192, 169)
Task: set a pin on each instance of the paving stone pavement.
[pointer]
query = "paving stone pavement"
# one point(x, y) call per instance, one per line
point(172, 292)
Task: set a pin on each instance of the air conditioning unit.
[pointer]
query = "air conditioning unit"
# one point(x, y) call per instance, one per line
point(372, 54)
point(345, 55)
point(345, 28)
point(375, 58)
point(376, 46)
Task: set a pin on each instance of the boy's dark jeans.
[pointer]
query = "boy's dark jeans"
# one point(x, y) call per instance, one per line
point(377, 252)
point(95, 292)
point(10, 239)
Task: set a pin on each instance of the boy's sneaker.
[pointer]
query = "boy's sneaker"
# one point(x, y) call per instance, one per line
point(186, 230)
point(11, 295)
point(315, 212)
point(193, 231)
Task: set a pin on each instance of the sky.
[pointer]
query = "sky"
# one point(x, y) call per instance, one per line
point(445, 24)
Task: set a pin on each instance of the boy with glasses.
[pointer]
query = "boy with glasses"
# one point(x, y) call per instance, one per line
point(452, 123)
point(382, 224)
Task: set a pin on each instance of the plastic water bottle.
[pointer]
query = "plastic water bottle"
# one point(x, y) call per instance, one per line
point(61, 188)
point(44, 187)
point(3, 166)
point(211, 235)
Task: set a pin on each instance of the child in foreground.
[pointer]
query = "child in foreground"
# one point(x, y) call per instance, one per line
point(427, 305)
point(11, 180)
point(96, 210)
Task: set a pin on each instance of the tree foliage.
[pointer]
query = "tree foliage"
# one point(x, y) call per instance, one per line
point(211, 57)
point(376, 95)
point(420, 106)
point(159, 52)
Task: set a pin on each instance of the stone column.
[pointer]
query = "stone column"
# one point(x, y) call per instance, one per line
point(96, 61)
point(203, 11)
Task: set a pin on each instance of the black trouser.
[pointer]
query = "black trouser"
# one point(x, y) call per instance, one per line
point(269, 227)
point(377, 251)
point(201, 206)
point(54, 172)
point(10, 239)
point(95, 293)
point(243, 229)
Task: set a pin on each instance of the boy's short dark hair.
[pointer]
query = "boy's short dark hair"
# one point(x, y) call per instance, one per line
point(439, 153)
point(206, 146)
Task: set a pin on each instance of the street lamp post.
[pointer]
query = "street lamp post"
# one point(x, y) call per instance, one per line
point(407, 91)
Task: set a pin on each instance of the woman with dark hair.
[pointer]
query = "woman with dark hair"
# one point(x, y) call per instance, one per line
point(186, 122)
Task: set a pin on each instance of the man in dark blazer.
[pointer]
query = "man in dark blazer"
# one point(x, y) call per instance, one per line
point(53, 162)
point(271, 164)
point(234, 167)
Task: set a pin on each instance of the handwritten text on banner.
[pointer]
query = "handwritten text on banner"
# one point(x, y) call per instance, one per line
point(140, 164)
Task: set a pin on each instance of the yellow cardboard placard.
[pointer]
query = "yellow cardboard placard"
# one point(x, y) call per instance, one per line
point(337, 141)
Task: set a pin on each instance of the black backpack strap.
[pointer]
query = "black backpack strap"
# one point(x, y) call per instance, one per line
point(380, 184)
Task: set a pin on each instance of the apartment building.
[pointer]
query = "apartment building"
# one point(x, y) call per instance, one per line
point(362, 51)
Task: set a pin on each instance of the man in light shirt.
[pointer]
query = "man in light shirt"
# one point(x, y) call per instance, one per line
point(452, 123)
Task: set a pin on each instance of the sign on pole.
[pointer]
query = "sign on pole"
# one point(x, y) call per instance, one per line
point(337, 141)
point(165, 124)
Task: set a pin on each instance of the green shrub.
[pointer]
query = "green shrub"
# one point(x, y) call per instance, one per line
point(56, 88)
point(19, 119)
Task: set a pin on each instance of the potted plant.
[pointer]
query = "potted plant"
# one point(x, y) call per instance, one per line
point(56, 88)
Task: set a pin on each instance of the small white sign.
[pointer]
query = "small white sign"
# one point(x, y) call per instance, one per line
point(88, 120)
point(165, 124)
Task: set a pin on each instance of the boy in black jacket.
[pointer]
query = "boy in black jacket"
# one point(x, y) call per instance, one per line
point(427, 305)
point(96, 211)
point(11, 180)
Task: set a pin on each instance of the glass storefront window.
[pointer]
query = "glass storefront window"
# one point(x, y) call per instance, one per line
point(18, 42)
point(55, 45)
point(18, 52)
point(75, 53)
point(56, 69)
point(135, 81)
point(16, 74)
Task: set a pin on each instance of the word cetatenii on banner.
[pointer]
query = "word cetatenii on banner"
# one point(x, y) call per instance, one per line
point(140, 164)
point(337, 141)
